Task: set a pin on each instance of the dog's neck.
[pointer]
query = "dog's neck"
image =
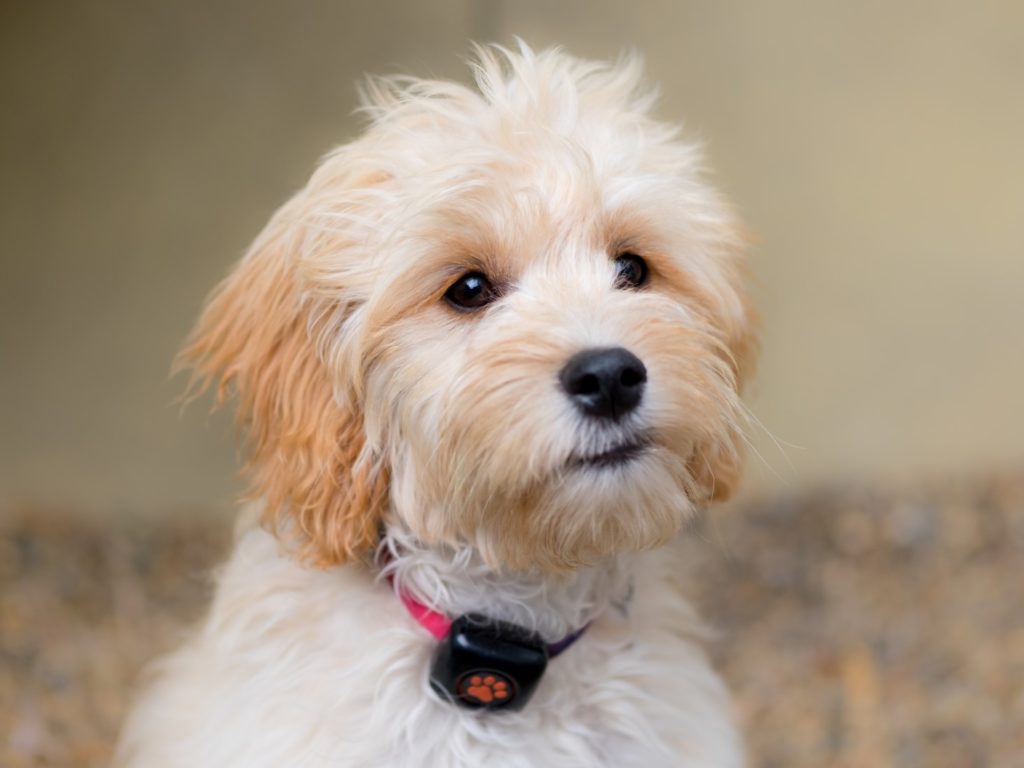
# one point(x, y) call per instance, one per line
point(456, 581)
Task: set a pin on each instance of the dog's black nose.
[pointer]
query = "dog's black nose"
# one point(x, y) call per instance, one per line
point(606, 383)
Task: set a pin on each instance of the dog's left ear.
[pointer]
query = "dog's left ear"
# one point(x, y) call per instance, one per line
point(258, 336)
point(717, 465)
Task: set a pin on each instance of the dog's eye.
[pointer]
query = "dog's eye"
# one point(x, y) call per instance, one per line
point(630, 271)
point(471, 292)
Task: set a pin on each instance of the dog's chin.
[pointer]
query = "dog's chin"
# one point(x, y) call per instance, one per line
point(626, 497)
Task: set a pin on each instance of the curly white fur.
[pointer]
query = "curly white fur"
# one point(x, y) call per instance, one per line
point(303, 667)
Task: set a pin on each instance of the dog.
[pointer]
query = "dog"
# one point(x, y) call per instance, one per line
point(488, 362)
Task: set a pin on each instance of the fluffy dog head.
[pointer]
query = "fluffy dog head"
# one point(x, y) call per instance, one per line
point(510, 317)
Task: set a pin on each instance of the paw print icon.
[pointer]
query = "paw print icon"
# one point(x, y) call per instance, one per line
point(487, 665)
point(485, 688)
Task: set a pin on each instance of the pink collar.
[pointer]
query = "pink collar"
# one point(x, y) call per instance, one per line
point(435, 623)
point(439, 625)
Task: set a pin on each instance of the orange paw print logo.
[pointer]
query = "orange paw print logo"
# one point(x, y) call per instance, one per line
point(486, 689)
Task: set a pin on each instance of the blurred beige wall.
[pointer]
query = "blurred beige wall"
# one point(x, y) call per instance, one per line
point(875, 149)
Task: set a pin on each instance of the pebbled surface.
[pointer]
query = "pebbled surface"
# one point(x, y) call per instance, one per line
point(865, 629)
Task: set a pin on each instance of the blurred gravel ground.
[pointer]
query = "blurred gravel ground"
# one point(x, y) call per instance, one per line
point(857, 628)
point(862, 629)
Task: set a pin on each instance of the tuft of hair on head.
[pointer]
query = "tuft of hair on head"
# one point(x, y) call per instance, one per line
point(513, 86)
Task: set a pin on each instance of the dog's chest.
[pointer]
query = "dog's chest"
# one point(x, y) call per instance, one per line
point(592, 708)
point(326, 669)
point(625, 694)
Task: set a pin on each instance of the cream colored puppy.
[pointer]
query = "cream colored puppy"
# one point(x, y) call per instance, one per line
point(488, 360)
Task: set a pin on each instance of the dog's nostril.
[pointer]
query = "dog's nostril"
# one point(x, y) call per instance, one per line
point(586, 385)
point(632, 376)
point(604, 382)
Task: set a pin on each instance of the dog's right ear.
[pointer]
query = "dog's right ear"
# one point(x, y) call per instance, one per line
point(258, 337)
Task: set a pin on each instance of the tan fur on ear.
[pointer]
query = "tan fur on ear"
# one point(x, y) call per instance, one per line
point(716, 471)
point(257, 337)
point(718, 466)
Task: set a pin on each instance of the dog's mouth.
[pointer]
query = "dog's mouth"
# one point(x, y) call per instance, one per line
point(616, 456)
